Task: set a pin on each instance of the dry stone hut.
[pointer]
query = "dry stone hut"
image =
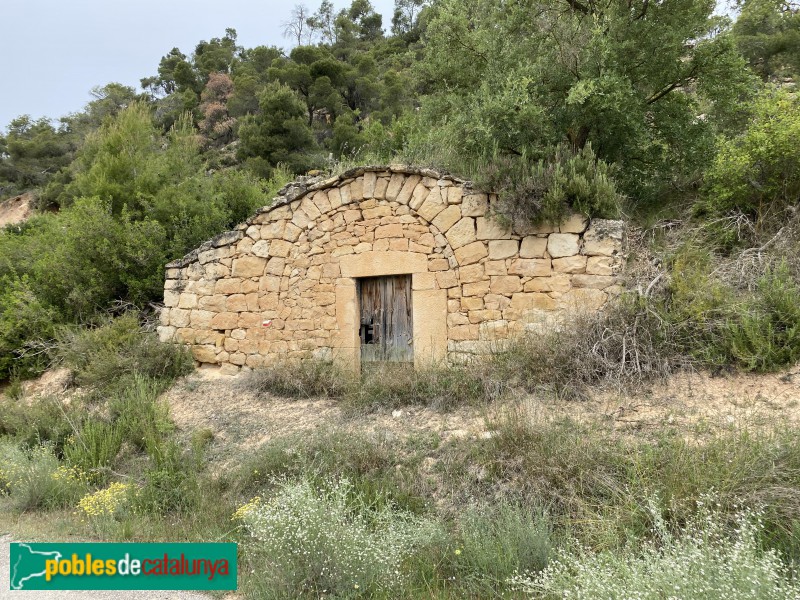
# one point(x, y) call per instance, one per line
point(382, 263)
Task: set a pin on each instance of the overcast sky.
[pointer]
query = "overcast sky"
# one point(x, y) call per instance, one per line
point(55, 51)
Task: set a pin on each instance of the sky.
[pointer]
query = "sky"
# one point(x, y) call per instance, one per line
point(55, 51)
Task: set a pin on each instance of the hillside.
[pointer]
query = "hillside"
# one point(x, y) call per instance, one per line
point(642, 441)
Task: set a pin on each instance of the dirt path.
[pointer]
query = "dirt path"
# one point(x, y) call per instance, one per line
point(693, 402)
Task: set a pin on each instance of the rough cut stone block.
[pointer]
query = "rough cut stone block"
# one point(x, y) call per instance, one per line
point(533, 247)
point(474, 205)
point(280, 248)
point(479, 288)
point(408, 188)
point(530, 267)
point(370, 179)
point(171, 298)
point(455, 194)
point(357, 189)
point(505, 284)
point(471, 253)
point(320, 200)
point(592, 281)
point(438, 264)
point(270, 231)
point(335, 198)
point(555, 283)
point(600, 265)
point(563, 244)
point(179, 317)
point(462, 233)
point(187, 301)
point(205, 354)
point(300, 219)
point(490, 228)
point(583, 299)
point(380, 188)
point(500, 249)
point(225, 320)
point(447, 218)
point(570, 264)
point(604, 238)
point(423, 281)
point(496, 267)
point(395, 185)
point(446, 279)
point(419, 196)
point(236, 303)
point(574, 224)
point(532, 301)
point(389, 231)
point(471, 273)
point(261, 248)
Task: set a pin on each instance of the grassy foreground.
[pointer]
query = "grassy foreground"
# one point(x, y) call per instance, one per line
point(539, 508)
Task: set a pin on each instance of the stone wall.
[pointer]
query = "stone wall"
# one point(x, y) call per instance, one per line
point(283, 284)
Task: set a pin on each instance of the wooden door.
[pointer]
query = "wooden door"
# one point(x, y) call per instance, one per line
point(386, 327)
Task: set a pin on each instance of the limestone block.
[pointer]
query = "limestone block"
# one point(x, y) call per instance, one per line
point(320, 200)
point(252, 301)
point(574, 224)
point(377, 212)
point(598, 282)
point(533, 247)
point(370, 179)
point(261, 248)
point(230, 285)
point(423, 281)
point(532, 301)
point(291, 232)
point(201, 319)
point(236, 303)
point(362, 247)
point(479, 316)
point(496, 302)
point(462, 233)
point(471, 303)
point(563, 244)
point(438, 264)
point(505, 284)
point(446, 279)
point(179, 317)
point(419, 196)
point(474, 205)
point(570, 264)
point(374, 264)
point(530, 267)
point(274, 230)
point(205, 354)
point(497, 329)
point(491, 228)
point(171, 298)
point(471, 253)
point(583, 299)
point(448, 217)
point(458, 318)
point(479, 288)
point(352, 215)
point(187, 300)
point(163, 316)
point(463, 332)
point(225, 320)
point(604, 238)
point(300, 219)
point(433, 205)
point(331, 270)
point(495, 267)
point(245, 246)
point(389, 231)
point(601, 265)
point(280, 248)
point(215, 302)
point(429, 308)
point(214, 271)
point(394, 186)
point(357, 189)
point(408, 188)
point(559, 282)
point(381, 187)
point(399, 245)
point(268, 302)
point(455, 194)
point(249, 266)
point(165, 333)
point(471, 273)
point(500, 249)
point(335, 198)
point(249, 320)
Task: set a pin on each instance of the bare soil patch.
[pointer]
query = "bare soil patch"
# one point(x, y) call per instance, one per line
point(16, 210)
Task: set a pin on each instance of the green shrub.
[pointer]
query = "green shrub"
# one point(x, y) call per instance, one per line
point(94, 448)
point(551, 189)
point(496, 542)
point(758, 172)
point(312, 541)
point(34, 421)
point(705, 560)
point(34, 478)
point(300, 379)
point(138, 413)
point(104, 355)
point(172, 481)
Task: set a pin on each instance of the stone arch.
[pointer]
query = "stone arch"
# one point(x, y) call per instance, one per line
point(283, 283)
